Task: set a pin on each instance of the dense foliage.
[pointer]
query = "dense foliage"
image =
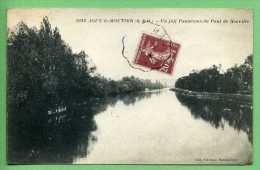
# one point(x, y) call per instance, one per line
point(53, 95)
point(41, 66)
point(237, 79)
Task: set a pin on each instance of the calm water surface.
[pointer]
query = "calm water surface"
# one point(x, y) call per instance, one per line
point(161, 128)
point(148, 128)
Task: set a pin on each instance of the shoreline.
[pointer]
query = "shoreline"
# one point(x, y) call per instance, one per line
point(214, 95)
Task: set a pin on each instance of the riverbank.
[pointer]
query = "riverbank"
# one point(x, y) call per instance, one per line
point(214, 95)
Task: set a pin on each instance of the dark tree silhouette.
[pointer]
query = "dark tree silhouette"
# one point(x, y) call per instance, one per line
point(53, 95)
point(237, 79)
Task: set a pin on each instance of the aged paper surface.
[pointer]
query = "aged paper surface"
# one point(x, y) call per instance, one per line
point(130, 86)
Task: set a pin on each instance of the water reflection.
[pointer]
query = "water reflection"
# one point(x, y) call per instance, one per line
point(57, 134)
point(217, 112)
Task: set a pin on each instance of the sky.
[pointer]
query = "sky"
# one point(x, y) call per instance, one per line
point(202, 44)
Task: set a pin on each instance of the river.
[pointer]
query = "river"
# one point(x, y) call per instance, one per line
point(161, 129)
point(157, 127)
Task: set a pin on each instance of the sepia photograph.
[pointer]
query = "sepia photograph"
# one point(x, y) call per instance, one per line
point(129, 86)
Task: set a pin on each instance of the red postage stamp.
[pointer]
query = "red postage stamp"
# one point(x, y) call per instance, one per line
point(157, 53)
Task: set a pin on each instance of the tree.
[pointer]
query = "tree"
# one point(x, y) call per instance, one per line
point(43, 72)
point(237, 79)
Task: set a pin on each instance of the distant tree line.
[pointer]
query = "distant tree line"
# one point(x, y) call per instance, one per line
point(237, 79)
point(42, 68)
point(125, 85)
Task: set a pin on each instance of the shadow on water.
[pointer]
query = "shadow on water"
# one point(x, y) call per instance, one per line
point(57, 134)
point(218, 112)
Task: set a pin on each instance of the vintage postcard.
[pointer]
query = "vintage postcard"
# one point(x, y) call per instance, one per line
point(129, 86)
